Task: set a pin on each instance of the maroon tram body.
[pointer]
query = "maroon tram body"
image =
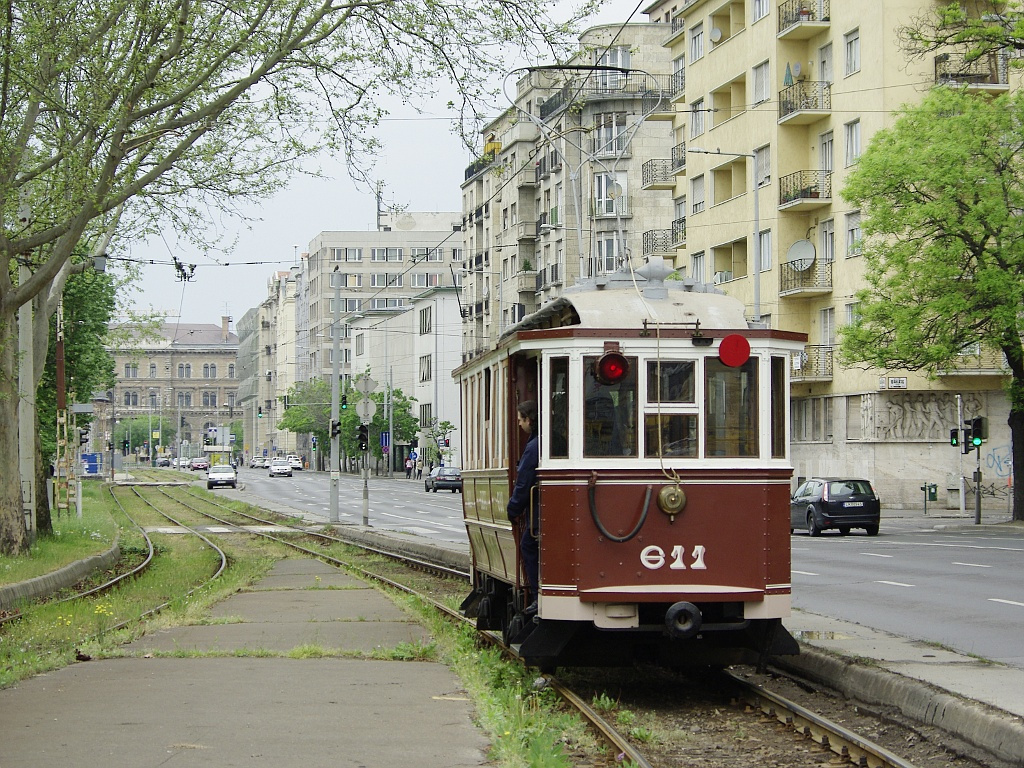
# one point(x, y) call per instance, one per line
point(664, 488)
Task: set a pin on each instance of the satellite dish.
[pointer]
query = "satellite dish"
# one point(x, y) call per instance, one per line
point(800, 255)
point(796, 69)
point(715, 34)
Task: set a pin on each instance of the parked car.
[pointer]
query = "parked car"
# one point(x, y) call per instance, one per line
point(281, 467)
point(163, 461)
point(221, 474)
point(295, 461)
point(448, 478)
point(835, 502)
point(199, 462)
point(184, 462)
point(257, 462)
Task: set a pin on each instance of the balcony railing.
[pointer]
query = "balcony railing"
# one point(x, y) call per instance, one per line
point(658, 242)
point(805, 189)
point(799, 277)
point(478, 165)
point(812, 97)
point(657, 174)
point(679, 157)
point(988, 70)
point(679, 232)
point(605, 84)
point(678, 82)
point(978, 362)
point(813, 363)
point(803, 18)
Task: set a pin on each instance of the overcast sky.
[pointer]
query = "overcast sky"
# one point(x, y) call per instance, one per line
point(421, 166)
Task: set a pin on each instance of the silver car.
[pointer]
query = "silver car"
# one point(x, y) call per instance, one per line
point(221, 474)
point(280, 467)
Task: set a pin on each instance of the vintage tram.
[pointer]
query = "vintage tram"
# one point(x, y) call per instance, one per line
point(663, 477)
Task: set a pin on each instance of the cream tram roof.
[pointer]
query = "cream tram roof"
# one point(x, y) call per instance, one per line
point(618, 302)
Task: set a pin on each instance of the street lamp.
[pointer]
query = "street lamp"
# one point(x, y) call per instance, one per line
point(757, 222)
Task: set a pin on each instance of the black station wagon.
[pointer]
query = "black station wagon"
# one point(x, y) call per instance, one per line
point(834, 502)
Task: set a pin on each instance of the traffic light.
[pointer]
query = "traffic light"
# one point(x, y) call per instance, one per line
point(344, 402)
point(968, 440)
point(364, 437)
point(414, 443)
point(83, 436)
point(979, 426)
point(124, 446)
point(335, 428)
point(182, 421)
point(259, 412)
point(954, 437)
point(313, 441)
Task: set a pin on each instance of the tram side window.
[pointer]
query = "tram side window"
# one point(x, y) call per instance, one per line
point(678, 435)
point(609, 413)
point(558, 391)
point(779, 407)
point(730, 409)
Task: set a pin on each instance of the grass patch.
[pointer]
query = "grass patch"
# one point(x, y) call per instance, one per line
point(72, 539)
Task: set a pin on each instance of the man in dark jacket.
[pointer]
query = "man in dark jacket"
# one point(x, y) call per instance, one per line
point(519, 502)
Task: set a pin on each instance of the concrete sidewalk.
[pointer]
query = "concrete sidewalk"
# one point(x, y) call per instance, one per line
point(147, 711)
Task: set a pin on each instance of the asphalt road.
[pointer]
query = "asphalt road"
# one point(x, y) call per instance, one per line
point(962, 587)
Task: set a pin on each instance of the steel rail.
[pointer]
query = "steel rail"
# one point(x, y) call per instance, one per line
point(842, 741)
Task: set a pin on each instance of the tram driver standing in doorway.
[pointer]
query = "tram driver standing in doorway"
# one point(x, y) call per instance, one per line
point(519, 503)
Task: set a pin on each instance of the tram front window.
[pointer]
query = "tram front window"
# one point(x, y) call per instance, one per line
point(730, 409)
point(610, 413)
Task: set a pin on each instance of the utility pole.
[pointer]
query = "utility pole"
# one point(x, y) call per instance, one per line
point(335, 396)
point(26, 413)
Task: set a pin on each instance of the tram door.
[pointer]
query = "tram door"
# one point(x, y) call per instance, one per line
point(523, 387)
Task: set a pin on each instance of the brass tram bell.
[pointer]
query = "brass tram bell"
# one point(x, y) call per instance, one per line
point(671, 500)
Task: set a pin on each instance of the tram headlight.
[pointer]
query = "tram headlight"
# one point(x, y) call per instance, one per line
point(611, 368)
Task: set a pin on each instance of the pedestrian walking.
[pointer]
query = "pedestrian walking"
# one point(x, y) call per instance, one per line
point(419, 469)
point(408, 468)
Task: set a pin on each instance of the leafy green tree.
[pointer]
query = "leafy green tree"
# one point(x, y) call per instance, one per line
point(975, 29)
point(436, 433)
point(309, 410)
point(147, 114)
point(943, 190)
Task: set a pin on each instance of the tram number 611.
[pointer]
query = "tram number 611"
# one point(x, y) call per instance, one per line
point(653, 558)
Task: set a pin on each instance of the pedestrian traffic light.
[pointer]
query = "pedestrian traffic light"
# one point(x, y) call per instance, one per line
point(313, 441)
point(954, 437)
point(344, 402)
point(259, 412)
point(364, 437)
point(335, 428)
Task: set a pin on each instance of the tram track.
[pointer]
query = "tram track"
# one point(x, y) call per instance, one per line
point(760, 704)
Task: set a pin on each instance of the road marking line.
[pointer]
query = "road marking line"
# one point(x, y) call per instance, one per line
point(894, 583)
point(973, 565)
point(805, 573)
point(1007, 602)
point(872, 554)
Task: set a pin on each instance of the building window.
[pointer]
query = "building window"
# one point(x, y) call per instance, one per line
point(426, 320)
point(853, 234)
point(852, 41)
point(762, 91)
point(697, 194)
point(609, 133)
point(765, 241)
point(607, 254)
point(811, 419)
point(697, 266)
point(426, 415)
point(152, 370)
point(457, 254)
point(384, 280)
point(231, 370)
point(131, 370)
point(760, 9)
point(426, 280)
point(360, 344)
point(828, 241)
point(425, 368)
point(231, 400)
point(697, 118)
point(852, 133)
point(385, 254)
point(762, 166)
point(351, 305)
point(696, 41)
point(852, 312)
point(609, 194)
point(346, 254)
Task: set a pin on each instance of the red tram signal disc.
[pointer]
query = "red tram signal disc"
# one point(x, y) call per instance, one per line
point(734, 350)
point(611, 368)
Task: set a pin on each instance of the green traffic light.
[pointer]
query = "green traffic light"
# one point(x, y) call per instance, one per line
point(976, 441)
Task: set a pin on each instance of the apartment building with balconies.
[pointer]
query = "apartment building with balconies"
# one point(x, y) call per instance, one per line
point(774, 102)
point(558, 194)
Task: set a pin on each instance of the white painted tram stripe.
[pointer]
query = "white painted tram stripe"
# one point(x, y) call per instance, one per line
point(973, 565)
point(1007, 602)
point(872, 554)
point(895, 583)
point(805, 573)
